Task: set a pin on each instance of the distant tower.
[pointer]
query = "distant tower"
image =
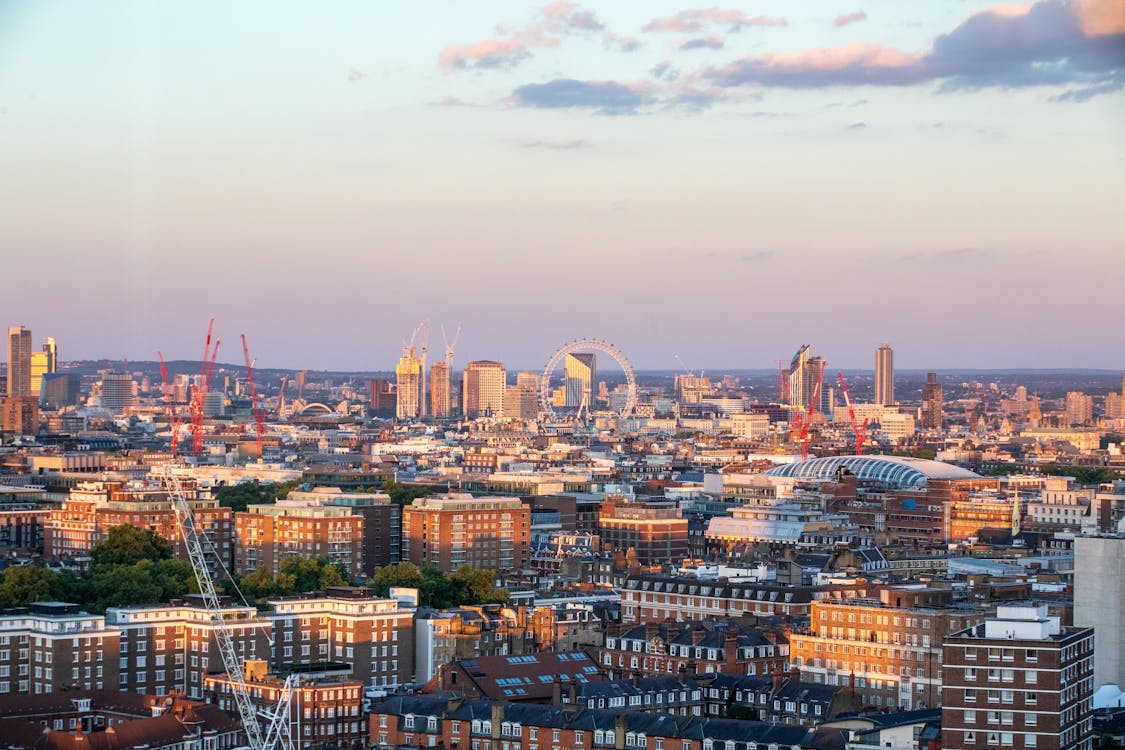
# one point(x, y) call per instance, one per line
point(482, 392)
point(52, 353)
point(580, 371)
point(439, 390)
point(43, 363)
point(1079, 408)
point(19, 361)
point(804, 369)
point(885, 375)
point(410, 386)
point(119, 391)
point(932, 402)
point(528, 380)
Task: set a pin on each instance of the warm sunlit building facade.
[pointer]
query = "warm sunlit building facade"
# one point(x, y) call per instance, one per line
point(454, 530)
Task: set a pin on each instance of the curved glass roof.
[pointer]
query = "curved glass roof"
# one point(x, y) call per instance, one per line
point(889, 471)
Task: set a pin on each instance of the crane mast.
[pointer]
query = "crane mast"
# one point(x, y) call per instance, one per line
point(259, 416)
point(277, 733)
point(225, 640)
point(860, 431)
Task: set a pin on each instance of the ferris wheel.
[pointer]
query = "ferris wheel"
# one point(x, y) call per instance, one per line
point(546, 406)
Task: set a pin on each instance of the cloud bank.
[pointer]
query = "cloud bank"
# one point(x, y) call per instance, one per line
point(513, 45)
point(1051, 42)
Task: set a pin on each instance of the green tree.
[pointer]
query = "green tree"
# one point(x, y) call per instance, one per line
point(396, 574)
point(401, 494)
point(123, 585)
point(144, 582)
point(313, 575)
point(127, 544)
point(438, 590)
point(239, 496)
point(1082, 474)
point(478, 587)
point(22, 585)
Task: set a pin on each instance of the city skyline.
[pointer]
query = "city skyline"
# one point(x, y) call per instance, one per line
point(387, 365)
point(725, 183)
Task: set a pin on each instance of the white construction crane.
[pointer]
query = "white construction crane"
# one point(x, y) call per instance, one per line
point(277, 734)
point(450, 345)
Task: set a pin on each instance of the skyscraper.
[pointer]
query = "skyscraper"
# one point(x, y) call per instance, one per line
point(804, 370)
point(580, 371)
point(38, 370)
point(43, 362)
point(382, 393)
point(931, 402)
point(19, 361)
point(52, 353)
point(440, 402)
point(119, 391)
point(885, 375)
point(1099, 602)
point(482, 392)
point(1079, 408)
point(529, 380)
point(410, 378)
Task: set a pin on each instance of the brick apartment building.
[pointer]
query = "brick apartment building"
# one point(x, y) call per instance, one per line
point(382, 521)
point(93, 508)
point(265, 535)
point(52, 646)
point(888, 648)
point(172, 647)
point(674, 648)
point(1018, 680)
point(324, 711)
point(22, 520)
point(457, 529)
point(656, 533)
point(345, 625)
point(456, 722)
point(648, 598)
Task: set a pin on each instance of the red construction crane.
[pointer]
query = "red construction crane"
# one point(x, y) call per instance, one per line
point(199, 395)
point(860, 430)
point(173, 420)
point(259, 417)
point(804, 438)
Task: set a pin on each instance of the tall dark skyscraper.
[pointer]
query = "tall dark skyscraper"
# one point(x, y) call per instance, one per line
point(931, 402)
point(19, 361)
point(885, 375)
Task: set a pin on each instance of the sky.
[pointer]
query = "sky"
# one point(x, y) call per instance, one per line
point(719, 182)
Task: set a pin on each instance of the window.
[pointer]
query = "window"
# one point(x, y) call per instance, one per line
point(970, 696)
point(970, 716)
point(1030, 740)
